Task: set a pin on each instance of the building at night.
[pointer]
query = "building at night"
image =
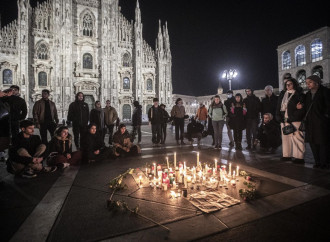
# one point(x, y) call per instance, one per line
point(70, 46)
point(305, 56)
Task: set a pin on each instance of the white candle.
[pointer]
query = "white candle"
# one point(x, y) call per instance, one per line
point(237, 170)
point(168, 165)
point(215, 164)
point(197, 158)
point(229, 169)
point(174, 160)
point(184, 166)
point(234, 174)
point(155, 172)
point(213, 171)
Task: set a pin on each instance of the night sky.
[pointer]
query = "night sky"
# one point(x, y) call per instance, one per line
point(210, 36)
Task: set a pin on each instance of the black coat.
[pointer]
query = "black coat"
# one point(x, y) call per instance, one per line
point(18, 109)
point(269, 135)
point(89, 144)
point(269, 104)
point(253, 106)
point(4, 122)
point(194, 128)
point(137, 116)
point(78, 113)
point(60, 146)
point(95, 117)
point(155, 115)
point(237, 120)
point(318, 118)
point(228, 103)
point(30, 144)
point(294, 114)
point(166, 117)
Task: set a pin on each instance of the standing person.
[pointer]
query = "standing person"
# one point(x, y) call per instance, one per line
point(318, 121)
point(18, 110)
point(290, 111)
point(269, 102)
point(45, 116)
point(111, 117)
point(4, 124)
point(61, 145)
point(155, 116)
point(79, 116)
point(210, 130)
point(218, 115)
point(269, 134)
point(97, 116)
point(178, 113)
point(137, 120)
point(201, 114)
point(227, 103)
point(237, 120)
point(163, 127)
point(253, 106)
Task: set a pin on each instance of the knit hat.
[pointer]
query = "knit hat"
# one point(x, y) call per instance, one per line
point(315, 78)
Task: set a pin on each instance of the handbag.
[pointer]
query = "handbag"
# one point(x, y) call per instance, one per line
point(289, 129)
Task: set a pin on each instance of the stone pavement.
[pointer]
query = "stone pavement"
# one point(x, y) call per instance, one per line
point(70, 205)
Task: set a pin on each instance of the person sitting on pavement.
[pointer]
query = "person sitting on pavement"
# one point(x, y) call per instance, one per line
point(93, 147)
point(122, 143)
point(27, 152)
point(194, 130)
point(60, 148)
point(269, 134)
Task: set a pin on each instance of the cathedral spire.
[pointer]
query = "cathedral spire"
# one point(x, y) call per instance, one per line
point(137, 13)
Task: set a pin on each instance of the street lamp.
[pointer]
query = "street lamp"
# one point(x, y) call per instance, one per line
point(229, 75)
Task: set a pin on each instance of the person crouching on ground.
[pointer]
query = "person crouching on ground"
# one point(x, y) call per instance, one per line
point(122, 143)
point(93, 147)
point(27, 152)
point(194, 130)
point(61, 146)
point(269, 134)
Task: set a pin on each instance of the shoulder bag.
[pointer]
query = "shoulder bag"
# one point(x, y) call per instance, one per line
point(289, 129)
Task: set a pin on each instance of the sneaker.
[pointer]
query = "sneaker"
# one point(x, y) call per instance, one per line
point(219, 147)
point(29, 174)
point(231, 144)
point(49, 169)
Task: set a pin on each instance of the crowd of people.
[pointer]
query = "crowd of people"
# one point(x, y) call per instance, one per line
point(291, 119)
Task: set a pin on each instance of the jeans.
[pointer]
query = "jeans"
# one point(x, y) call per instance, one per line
point(179, 128)
point(218, 127)
point(163, 132)
point(110, 127)
point(43, 131)
point(251, 130)
point(156, 133)
point(137, 130)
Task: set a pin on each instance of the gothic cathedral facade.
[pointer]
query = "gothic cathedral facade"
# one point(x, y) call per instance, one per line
point(70, 46)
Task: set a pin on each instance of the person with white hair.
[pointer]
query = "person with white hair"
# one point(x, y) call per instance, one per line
point(269, 134)
point(269, 102)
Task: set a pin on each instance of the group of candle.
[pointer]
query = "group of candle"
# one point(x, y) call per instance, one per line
point(170, 178)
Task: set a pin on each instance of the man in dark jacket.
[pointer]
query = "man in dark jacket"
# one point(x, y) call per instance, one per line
point(253, 106)
point(163, 128)
point(155, 115)
point(269, 102)
point(18, 110)
point(194, 130)
point(79, 116)
point(318, 121)
point(45, 116)
point(137, 120)
point(27, 152)
point(228, 103)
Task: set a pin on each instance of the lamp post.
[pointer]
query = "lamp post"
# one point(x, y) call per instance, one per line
point(229, 75)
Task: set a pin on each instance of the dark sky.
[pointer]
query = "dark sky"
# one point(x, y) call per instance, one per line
point(210, 36)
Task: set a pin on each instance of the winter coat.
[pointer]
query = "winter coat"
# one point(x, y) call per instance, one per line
point(119, 138)
point(269, 104)
point(78, 113)
point(18, 108)
point(178, 111)
point(4, 122)
point(237, 117)
point(269, 134)
point(253, 106)
point(201, 113)
point(89, 144)
point(217, 112)
point(110, 115)
point(137, 116)
point(62, 147)
point(155, 115)
point(96, 117)
point(294, 114)
point(228, 103)
point(166, 117)
point(318, 118)
point(194, 128)
point(30, 144)
point(39, 112)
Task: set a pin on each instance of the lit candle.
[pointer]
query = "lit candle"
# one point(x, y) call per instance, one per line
point(197, 158)
point(168, 166)
point(213, 171)
point(140, 180)
point(229, 169)
point(184, 166)
point(155, 172)
point(215, 164)
point(188, 178)
point(234, 174)
point(237, 170)
point(174, 160)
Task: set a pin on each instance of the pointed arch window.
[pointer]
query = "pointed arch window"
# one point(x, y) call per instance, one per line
point(286, 60)
point(42, 79)
point(318, 70)
point(149, 85)
point(126, 60)
point(300, 54)
point(87, 61)
point(42, 51)
point(301, 78)
point(126, 112)
point(7, 77)
point(316, 50)
point(126, 83)
point(87, 25)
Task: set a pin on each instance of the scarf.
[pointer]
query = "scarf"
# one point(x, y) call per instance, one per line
point(285, 101)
